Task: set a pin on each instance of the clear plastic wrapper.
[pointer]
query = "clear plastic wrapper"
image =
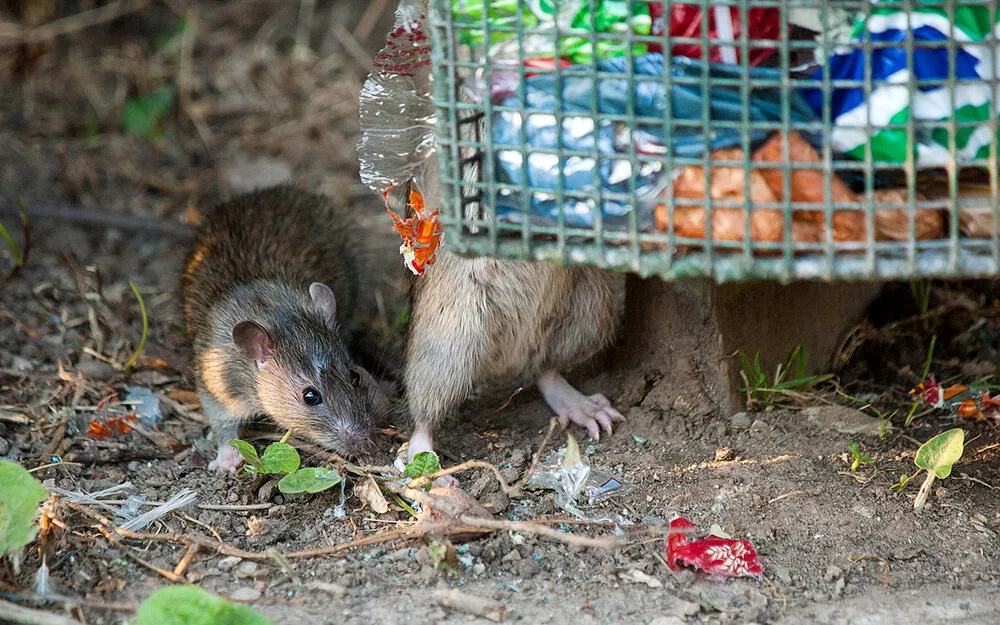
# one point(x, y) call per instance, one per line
point(569, 475)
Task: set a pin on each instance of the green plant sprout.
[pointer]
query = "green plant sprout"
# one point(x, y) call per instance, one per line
point(280, 458)
point(937, 456)
point(858, 458)
point(424, 463)
point(143, 116)
point(145, 328)
point(921, 291)
point(789, 381)
point(923, 377)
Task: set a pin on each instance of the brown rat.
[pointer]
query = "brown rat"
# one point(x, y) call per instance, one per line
point(270, 286)
point(482, 319)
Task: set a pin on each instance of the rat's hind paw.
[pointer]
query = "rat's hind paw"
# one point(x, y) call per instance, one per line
point(228, 459)
point(594, 412)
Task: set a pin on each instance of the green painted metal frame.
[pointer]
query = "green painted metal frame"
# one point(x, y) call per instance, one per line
point(466, 147)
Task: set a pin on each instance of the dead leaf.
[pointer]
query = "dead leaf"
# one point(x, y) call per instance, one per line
point(368, 492)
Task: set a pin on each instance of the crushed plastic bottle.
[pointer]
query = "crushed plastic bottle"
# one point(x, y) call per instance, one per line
point(397, 145)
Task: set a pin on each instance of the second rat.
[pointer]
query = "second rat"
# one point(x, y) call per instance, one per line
point(269, 288)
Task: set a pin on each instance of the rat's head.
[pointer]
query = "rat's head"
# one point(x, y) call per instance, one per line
point(305, 379)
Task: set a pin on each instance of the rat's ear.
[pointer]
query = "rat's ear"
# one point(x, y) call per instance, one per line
point(323, 300)
point(253, 341)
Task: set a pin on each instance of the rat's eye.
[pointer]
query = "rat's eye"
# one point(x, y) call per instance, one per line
point(355, 378)
point(312, 397)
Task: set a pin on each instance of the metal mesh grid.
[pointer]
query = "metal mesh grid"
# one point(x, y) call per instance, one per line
point(583, 162)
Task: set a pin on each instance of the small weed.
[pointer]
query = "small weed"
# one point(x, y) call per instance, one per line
point(885, 418)
point(401, 319)
point(921, 291)
point(20, 256)
point(927, 370)
point(424, 463)
point(789, 381)
point(901, 484)
point(858, 458)
point(280, 458)
point(144, 116)
point(937, 456)
point(145, 328)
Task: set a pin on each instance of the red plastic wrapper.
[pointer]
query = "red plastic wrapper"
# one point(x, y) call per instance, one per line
point(686, 21)
point(724, 557)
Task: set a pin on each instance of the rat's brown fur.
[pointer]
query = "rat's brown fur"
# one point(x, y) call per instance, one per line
point(482, 319)
point(254, 260)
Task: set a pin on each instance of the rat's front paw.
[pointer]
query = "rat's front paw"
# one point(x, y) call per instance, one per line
point(572, 406)
point(228, 459)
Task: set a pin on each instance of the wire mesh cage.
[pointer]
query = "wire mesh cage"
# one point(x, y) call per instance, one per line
point(738, 139)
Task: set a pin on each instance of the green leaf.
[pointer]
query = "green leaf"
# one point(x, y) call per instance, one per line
point(173, 37)
point(249, 454)
point(144, 116)
point(424, 463)
point(309, 480)
point(20, 495)
point(190, 605)
point(280, 458)
point(941, 452)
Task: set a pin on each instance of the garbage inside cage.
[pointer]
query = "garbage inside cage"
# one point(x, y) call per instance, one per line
point(856, 123)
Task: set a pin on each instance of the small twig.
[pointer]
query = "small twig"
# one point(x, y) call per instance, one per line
point(475, 605)
point(786, 495)
point(56, 464)
point(107, 219)
point(369, 19)
point(235, 507)
point(189, 554)
point(57, 438)
point(306, 10)
point(27, 616)
point(73, 23)
point(509, 399)
point(152, 567)
point(479, 523)
point(351, 45)
point(479, 464)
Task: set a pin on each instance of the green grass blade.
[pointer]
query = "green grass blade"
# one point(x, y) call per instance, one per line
point(145, 328)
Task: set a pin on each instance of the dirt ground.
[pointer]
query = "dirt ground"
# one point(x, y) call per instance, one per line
point(838, 547)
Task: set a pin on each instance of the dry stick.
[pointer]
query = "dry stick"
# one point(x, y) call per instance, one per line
point(106, 219)
point(471, 604)
point(479, 464)
point(539, 530)
point(27, 616)
point(186, 559)
point(369, 19)
point(509, 399)
point(73, 23)
point(351, 45)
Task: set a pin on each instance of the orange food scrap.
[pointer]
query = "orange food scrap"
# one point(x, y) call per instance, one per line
point(114, 426)
point(968, 409)
point(421, 233)
point(953, 390)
